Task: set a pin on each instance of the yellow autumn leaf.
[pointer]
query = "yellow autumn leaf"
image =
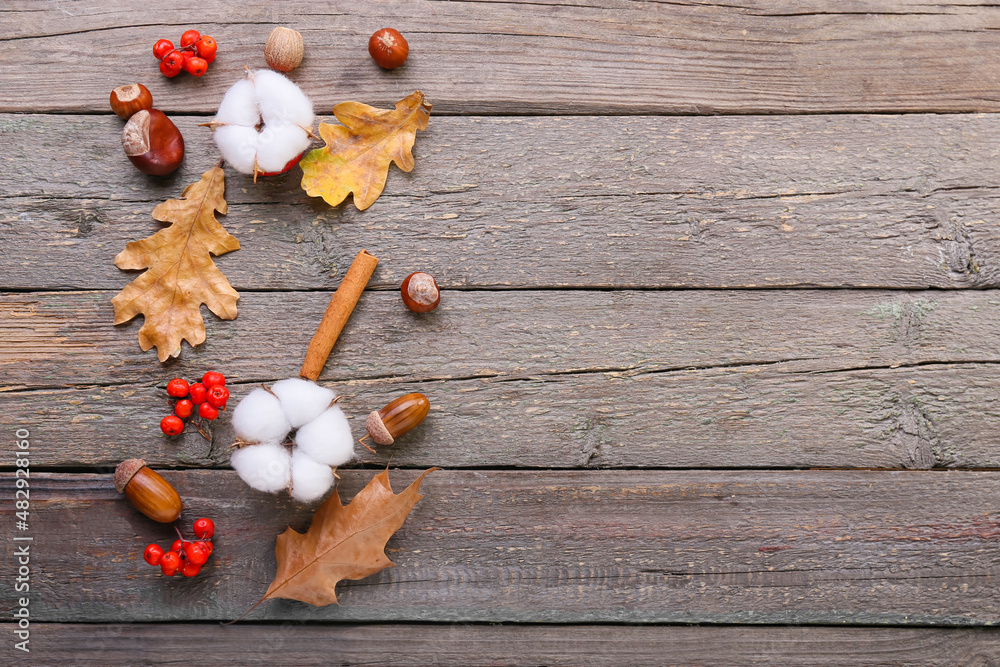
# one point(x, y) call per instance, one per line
point(357, 154)
point(181, 274)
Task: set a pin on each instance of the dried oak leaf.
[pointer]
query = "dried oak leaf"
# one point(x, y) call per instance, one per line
point(357, 154)
point(181, 274)
point(343, 542)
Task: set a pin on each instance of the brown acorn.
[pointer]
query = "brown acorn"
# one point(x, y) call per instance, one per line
point(397, 418)
point(151, 494)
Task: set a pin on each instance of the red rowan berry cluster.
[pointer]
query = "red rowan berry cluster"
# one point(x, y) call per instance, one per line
point(184, 556)
point(209, 396)
point(193, 55)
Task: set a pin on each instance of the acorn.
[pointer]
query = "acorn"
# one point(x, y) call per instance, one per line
point(151, 494)
point(397, 418)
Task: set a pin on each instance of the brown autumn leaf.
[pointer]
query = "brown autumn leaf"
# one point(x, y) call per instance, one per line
point(343, 542)
point(357, 154)
point(181, 274)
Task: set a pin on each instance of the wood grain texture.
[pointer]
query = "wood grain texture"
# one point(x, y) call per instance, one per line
point(837, 201)
point(913, 548)
point(508, 333)
point(745, 417)
point(505, 645)
point(530, 57)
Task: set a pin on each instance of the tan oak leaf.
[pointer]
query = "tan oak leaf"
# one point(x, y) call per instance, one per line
point(180, 273)
point(343, 542)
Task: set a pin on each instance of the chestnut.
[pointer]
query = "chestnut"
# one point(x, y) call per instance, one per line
point(153, 143)
point(148, 491)
point(126, 101)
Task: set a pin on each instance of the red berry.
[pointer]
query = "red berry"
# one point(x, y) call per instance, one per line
point(169, 563)
point(190, 569)
point(213, 378)
point(162, 48)
point(206, 48)
point(190, 37)
point(196, 553)
point(177, 388)
point(172, 425)
point(173, 60)
point(177, 545)
point(217, 396)
point(184, 408)
point(207, 546)
point(153, 554)
point(168, 70)
point(206, 411)
point(195, 66)
point(198, 393)
point(204, 528)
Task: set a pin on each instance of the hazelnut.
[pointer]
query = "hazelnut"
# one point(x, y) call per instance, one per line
point(283, 50)
point(148, 491)
point(127, 100)
point(420, 292)
point(388, 48)
point(153, 143)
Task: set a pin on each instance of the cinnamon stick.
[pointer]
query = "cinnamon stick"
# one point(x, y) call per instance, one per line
point(341, 306)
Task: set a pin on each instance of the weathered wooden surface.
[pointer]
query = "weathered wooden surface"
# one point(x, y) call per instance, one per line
point(748, 416)
point(584, 357)
point(571, 547)
point(507, 645)
point(529, 57)
point(841, 201)
point(509, 333)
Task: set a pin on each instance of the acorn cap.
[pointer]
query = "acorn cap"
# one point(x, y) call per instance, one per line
point(377, 430)
point(125, 471)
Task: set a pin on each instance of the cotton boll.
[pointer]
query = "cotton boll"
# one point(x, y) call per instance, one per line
point(276, 143)
point(263, 123)
point(265, 467)
point(310, 480)
point(239, 106)
point(281, 100)
point(302, 400)
point(327, 438)
point(238, 145)
point(259, 418)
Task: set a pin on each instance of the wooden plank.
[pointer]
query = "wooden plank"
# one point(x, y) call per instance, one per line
point(839, 201)
point(913, 548)
point(462, 645)
point(748, 416)
point(529, 57)
point(508, 333)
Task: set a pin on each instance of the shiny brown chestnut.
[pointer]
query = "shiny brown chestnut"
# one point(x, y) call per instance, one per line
point(397, 418)
point(148, 491)
point(128, 100)
point(153, 143)
point(420, 292)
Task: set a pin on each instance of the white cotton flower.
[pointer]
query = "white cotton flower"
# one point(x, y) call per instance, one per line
point(265, 467)
point(328, 438)
point(263, 125)
point(302, 400)
point(259, 418)
point(310, 480)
